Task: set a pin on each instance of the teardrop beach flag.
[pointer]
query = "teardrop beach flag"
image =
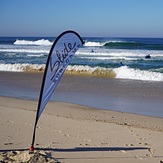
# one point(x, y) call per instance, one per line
point(62, 51)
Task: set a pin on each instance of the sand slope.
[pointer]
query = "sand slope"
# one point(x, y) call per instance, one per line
point(71, 133)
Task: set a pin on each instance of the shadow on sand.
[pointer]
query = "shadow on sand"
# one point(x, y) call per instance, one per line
point(81, 149)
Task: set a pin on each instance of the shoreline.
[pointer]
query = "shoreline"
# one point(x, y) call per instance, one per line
point(132, 96)
point(71, 133)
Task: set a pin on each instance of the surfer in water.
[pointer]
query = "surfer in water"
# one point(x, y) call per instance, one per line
point(121, 64)
point(148, 56)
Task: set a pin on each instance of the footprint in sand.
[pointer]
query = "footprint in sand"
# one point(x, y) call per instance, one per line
point(28, 124)
point(10, 121)
point(8, 143)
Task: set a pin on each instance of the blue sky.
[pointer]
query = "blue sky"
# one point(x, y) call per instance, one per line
point(110, 18)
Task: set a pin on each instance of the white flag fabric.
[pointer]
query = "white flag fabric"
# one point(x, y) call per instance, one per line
point(62, 51)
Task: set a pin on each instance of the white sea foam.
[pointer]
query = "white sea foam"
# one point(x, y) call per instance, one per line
point(22, 67)
point(120, 53)
point(89, 43)
point(24, 50)
point(93, 43)
point(38, 42)
point(125, 72)
point(108, 58)
point(36, 55)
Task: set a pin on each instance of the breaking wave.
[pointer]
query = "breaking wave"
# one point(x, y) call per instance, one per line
point(91, 71)
point(22, 67)
point(125, 45)
point(123, 72)
point(38, 42)
point(89, 43)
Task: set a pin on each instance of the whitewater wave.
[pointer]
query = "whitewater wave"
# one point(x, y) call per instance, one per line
point(124, 45)
point(38, 42)
point(22, 67)
point(36, 55)
point(24, 51)
point(89, 43)
point(123, 72)
point(104, 58)
point(91, 71)
point(93, 43)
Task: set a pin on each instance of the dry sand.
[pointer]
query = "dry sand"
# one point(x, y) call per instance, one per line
point(70, 133)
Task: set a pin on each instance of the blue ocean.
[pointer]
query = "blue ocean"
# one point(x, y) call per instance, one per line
point(124, 58)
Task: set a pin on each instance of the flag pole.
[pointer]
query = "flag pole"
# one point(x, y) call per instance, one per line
point(31, 149)
point(56, 64)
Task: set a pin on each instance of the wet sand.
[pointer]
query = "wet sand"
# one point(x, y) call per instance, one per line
point(130, 96)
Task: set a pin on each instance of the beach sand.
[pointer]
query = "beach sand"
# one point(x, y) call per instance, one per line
point(70, 133)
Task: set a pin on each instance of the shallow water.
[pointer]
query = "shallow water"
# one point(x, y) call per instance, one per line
point(130, 96)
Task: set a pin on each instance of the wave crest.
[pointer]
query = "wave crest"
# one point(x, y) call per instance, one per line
point(91, 71)
point(124, 45)
point(22, 67)
point(89, 43)
point(93, 43)
point(38, 42)
point(125, 72)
